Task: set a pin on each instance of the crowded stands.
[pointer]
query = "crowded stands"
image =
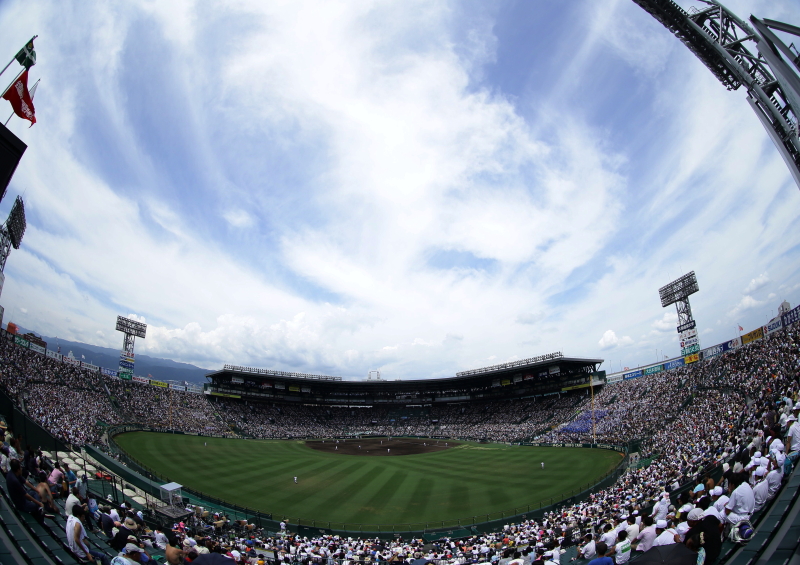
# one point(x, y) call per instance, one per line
point(726, 426)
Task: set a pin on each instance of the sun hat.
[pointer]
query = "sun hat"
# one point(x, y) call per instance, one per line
point(130, 524)
point(717, 491)
point(661, 524)
point(132, 547)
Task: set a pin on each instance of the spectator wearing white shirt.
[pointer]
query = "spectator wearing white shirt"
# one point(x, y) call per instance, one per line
point(661, 508)
point(647, 536)
point(588, 551)
point(664, 534)
point(633, 528)
point(761, 490)
point(741, 504)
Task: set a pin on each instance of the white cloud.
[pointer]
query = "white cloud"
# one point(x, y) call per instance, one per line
point(239, 218)
point(610, 340)
point(530, 318)
point(746, 303)
point(362, 141)
point(757, 283)
point(668, 322)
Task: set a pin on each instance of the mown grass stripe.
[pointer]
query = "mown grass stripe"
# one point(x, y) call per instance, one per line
point(472, 480)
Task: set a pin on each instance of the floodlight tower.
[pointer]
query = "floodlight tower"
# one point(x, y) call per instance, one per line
point(131, 330)
point(677, 292)
point(749, 55)
point(11, 234)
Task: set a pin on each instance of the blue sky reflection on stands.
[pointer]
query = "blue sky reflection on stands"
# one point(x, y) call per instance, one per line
point(416, 188)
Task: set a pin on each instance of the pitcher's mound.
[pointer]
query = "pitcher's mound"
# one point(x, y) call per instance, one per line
point(375, 447)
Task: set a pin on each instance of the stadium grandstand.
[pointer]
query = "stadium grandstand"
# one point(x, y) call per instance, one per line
point(715, 443)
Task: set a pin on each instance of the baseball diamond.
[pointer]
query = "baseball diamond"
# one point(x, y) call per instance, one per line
point(449, 483)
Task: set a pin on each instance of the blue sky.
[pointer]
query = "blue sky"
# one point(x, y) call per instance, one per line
point(414, 187)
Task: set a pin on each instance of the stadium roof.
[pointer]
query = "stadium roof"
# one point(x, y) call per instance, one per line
point(544, 376)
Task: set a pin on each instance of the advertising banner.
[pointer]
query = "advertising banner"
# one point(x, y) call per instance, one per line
point(158, 383)
point(71, 361)
point(632, 375)
point(21, 341)
point(693, 358)
point(791, 316)
point(773, 326)
point(281, 386)
point(732, 344)
point(690, 349)
point(690, 341)
point(237, 380)
point(143, 380)
point(37, 348)
point(125, 375)
point(711, 351)
point(654, 369)
point(305, 389)
point(690, 325)
point(688, 333)
point(673, 364)
point(53, 355)
point(177, 387)
point(126, 365)
point(294, 389)
point(108, 372)
point(123, 353)
point(225, 395)
point(750, 337)
point(554, 369)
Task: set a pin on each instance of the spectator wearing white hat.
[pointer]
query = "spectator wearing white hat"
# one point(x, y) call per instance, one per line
point(792, 440)
point(775, 475)
point(709, 527)
point(761, 490)
point(719, 499)
point(131, 554)
point(664, 534)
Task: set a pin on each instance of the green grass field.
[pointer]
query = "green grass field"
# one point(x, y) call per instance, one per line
point(470, 480)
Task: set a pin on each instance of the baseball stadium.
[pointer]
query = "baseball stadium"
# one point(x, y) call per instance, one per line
point(545, 460)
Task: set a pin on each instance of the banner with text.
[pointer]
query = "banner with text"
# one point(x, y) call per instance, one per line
point(791, 317)
point(750, 337)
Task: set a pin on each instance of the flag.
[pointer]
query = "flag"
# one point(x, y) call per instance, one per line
point(20, 98)
point(83, 356)
point(741, 329)
point(26, 56)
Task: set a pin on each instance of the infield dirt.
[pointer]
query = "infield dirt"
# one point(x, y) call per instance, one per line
point(381, 447)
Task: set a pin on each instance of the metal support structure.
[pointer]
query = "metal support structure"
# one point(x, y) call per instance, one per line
point(5, 247)
point(127, 343)
point(740, 54)
point(684, 311)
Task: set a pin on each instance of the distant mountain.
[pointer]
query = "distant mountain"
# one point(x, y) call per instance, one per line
point(160, 369)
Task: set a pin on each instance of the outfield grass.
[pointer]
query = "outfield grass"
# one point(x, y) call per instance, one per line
point(459, 483)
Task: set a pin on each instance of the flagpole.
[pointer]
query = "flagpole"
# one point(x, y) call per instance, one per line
point(14, 58)
point(12, 82)
point(33, 93)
